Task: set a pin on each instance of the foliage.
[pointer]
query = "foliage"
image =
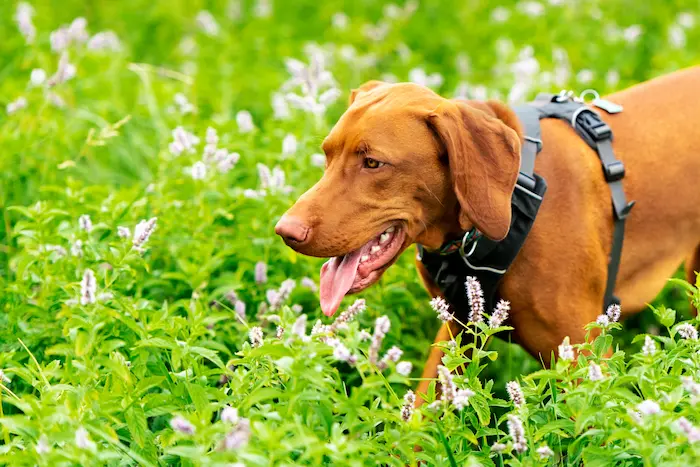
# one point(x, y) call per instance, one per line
point(142, 360)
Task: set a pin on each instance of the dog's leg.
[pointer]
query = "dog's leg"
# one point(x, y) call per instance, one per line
point(692, 267)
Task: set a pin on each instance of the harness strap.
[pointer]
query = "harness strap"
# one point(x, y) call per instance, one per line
point(532, 145)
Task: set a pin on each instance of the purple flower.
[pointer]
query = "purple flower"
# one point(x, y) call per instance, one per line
point(515, 393)
point(649, 347)
point(260, 272)
point(566, 351)
point(442, 309)
point(517, 433)
point(85, 223)
point(409, 399)
point(239, 436)
point(256, 336)
point(594, 372)
point(229, 415)
point(88, 288)
point(692, 432)
point(648, 407)
point(500, 314)
point(350, 314)
point(381, 327)
point(687, 331)
point(404, 368)
point(613, 313)
point(182, 425)
point(143, 231)
point(545, 452)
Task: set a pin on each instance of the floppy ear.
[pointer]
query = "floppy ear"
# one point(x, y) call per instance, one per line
point(368, 86)
point(484, 159)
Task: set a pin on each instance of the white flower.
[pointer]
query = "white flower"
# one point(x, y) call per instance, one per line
point(289, 145)
point(183, 141)
point(37, 77)
point(393, 354)
point(42, 445)
point(531, 8)
point(244, 121)
point(76, 249)
point(500, 14)
point(649, 347)
point(77, 30)
point(594, 372)
point(612, 78)
point(85, 223)
point(475, 297)
point(613, 313)
point(632, 33)
point(603, 320)
point(404, 368)
point(566, 351)
point(648, 407)
point(263, 8)
point(692, 432)
point(318, 160)
point(364, 335)
point(18, 104)
point(207, 24)
point(409, 399)
point(545, 452)
point(685, 19)
point(461, 398)
point(88, 288)
point(123, 232)
point(299, 326)
point(500, 314)
point(229, 415)
point(516, 430)
point(687, 331)
point(340, 21)
point(64, 72)
point(198, 170)
point(105, 40)
point(498, 447)
point(442, 308)
point(83, 441)
point(676, 36)
point(181, 424)
point(329, 96)
point(143, 231)
point(256, 336)
point(584, 76)
point(23, 18)
point(4, 378)
point(419, 76)
point(183, 104)
point(280, 107)
point(515, 393)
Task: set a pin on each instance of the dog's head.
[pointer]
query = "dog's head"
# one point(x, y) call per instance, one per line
point(403, 165)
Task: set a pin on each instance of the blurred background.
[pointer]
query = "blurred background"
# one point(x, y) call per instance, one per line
point(93, 129)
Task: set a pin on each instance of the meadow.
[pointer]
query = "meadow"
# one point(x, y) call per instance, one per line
point(150, 316)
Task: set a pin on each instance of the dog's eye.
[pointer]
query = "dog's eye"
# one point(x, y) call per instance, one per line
point(370, 163)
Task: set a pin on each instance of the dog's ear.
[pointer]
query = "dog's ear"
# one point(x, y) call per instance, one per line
point(366, 87)
point(484, 158)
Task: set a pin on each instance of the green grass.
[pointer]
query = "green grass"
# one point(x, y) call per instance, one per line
point(168, 342)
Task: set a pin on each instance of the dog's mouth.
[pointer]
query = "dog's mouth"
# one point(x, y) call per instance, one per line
point(359, 269)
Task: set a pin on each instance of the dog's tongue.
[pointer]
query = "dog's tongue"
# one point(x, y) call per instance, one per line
point(337, 276)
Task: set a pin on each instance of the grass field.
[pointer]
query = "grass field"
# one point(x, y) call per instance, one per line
point(150, 316)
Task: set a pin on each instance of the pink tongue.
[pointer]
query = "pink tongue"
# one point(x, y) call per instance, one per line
point(337, 276)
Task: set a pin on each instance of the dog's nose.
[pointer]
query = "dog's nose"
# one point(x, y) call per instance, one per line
point(292, 230)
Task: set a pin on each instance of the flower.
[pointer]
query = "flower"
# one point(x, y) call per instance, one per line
point(350, 314)
point(143, 231)
point(685, 19)
point(676, 36)
point(381, 327)
point(76, 249)
point(183, 104)
point(531, 8)
point(318, 160)
point(239, 436)
point(692, 388)
point(340, 351)
point(256, 336)
point(461, 398)
point(206, 23)
point(123, 232)
point(515, 393)
point(83, 441)
point(37, 77)
point(545, 452)
point(183, 141)
point(260, 272)
point(88, 288)
point(18, 104)
point(105, 40)
point(419, 76)
point(517, 433)
point(475, 296)
point(229, 415)
point(263, 9)
point(632, 33)
point(648, 407)
point(613, 312)
point(498, 447)
point(279, 332)
point(64, 72)
point(289, 145)
point(500, 15)
point(4, 378)
point(299, 326)
point(364, 335)
point(404, 368)
point(442, 308)
point(85, 223)
point(182, 425)
point(198, 171)
point(42, 445)
point(280, 108)
point(245, 122)
point(409, 399)
point(603, 320)
point(500, 314)
point(340, 21)
point(23, 18)
point(692, 432)
point(687, 331)
point(594, 372)
point(393, 354)
point(649, 347)
point(239, 308)
point(566, 351)
point(311, 285)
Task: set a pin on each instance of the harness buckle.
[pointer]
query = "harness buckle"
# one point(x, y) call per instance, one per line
point(590, 122)
point(614, 171)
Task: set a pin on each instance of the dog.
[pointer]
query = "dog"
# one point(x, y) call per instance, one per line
point(405, 165)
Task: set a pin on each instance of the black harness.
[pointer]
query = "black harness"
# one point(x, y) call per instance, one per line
point(487, 260)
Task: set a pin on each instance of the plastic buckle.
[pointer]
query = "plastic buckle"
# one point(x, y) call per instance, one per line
point(614, 171)
point(526, 181)
point(593, 125)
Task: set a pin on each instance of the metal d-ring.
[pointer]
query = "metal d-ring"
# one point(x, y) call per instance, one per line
point(585, 92)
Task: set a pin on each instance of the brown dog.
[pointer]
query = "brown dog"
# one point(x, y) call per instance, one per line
point(405, 165)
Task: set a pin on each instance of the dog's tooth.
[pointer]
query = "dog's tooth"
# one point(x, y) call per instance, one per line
point(374, 249)
point(364, 258)
point(390, 229)
point(384, 237)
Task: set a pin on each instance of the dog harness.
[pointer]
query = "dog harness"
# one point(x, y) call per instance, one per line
point(488, 260)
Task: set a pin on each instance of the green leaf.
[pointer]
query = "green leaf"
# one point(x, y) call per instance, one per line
point(481, 406)
point(138, 426)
